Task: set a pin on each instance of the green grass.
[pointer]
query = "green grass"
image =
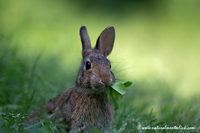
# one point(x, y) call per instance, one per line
point(156, 47)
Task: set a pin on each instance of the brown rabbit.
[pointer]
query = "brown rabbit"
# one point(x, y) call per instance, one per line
point(86, 103)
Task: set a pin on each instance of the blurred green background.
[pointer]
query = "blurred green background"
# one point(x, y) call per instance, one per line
point(157, 47)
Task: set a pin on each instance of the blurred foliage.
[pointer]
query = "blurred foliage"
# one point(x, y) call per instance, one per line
point(156, 47)
point(116, 7)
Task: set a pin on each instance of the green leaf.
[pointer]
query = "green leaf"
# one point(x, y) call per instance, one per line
point(119, 87)
point(127, 83)
point(116, 95)
point(112, 101)
point(116, 91)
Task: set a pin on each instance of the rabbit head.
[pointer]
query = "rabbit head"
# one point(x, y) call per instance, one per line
point(94, 75)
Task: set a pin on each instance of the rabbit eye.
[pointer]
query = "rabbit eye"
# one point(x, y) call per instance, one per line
point(88, 65)
point(110, 65)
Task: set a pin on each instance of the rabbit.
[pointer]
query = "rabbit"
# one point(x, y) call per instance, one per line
point(86, 103)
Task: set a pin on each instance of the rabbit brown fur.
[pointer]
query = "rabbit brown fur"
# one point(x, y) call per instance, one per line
point(86, 103)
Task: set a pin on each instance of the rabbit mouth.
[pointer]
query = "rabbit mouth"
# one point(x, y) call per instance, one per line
point(103, 85)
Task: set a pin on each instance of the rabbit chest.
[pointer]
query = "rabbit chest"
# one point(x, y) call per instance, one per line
point(94, 110)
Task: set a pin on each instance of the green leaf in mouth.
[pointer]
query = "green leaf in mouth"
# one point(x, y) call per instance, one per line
point(116, 91)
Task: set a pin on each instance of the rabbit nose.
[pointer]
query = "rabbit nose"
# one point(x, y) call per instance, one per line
point(104, 85)
point(106, 79)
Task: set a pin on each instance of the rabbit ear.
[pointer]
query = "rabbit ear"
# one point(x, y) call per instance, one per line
point(105, 41)
point(85, 38)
